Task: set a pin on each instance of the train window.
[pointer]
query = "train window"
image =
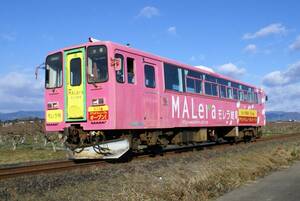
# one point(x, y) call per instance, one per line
point(130, 70)
point(223, 82)
point(246, 97)
point(234, 85)
point(149, 72)
point(210, 78)
point(250, 97)
point(255, 98)
point(173, 77)
point(211, 89)
point(194, 74)
point(245, 88)
point(53, 77)
point(193, 85)
point(229, 93)
point(97, 64)
point(75, 72)
point(223, 91)
point(214, 88)
point(235, 94)
point(120, 73)
point(241, 95)
point(208, 88)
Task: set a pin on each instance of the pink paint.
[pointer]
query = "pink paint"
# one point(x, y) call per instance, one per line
point(133, 106)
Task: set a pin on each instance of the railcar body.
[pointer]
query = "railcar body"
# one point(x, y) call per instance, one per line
point(108, 99)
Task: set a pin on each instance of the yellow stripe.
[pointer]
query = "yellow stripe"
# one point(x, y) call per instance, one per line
point(247, 113)
point(98, 108)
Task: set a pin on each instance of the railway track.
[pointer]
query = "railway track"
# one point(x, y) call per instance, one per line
point(26, 169)
point(54, 166)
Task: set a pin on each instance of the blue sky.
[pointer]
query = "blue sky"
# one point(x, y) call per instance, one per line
point(255, 41)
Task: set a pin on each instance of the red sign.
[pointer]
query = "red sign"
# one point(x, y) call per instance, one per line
point(98, 115)
point(248, 120)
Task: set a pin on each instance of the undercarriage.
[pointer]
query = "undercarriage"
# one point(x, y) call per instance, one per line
point(115, 143)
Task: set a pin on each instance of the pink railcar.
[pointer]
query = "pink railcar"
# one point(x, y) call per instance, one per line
point(108, 98)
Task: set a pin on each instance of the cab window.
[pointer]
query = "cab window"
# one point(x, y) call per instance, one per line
point(97, 64)
point(53, 77)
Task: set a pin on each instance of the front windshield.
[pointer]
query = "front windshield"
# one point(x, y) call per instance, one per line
point(97, 64)
point(54, 71)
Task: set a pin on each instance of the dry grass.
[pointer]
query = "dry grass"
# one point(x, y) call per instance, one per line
point(202, 175)
point(273, 128)
point(25, 141)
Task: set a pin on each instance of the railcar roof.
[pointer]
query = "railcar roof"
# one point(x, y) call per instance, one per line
point(153, 56)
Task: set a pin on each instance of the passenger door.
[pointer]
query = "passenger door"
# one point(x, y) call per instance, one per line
point(75, 91)
point(151, 93)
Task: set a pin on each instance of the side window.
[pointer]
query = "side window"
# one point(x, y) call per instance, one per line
point(193, 81)
point(255, 98)
point(241, 95)
point(149, 73)
point(235, 94)
point(246, 98)
point(130, 70)
point(208, 90)
point(214, 88)
point(211, 89)
point(173, 77)
point(222, 91)
point(229, 93)
point(120, 73)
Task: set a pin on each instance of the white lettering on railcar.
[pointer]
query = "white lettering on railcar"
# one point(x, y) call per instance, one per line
point(175, 106)
point(193, 110)
point(201, 111)
point(190, 109)
point(185, 109)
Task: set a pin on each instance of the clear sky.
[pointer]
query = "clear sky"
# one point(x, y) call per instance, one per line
point(254, 41)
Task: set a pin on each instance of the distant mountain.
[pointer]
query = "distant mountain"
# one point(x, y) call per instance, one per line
point(282, 116)
point(22, 115)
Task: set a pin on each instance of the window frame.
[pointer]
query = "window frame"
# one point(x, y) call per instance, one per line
point(225, 90)
point(80, 72)
point(133, 69)
point(62, 74)
point(154, 80)
point(180, 74)
point(211, 88)
point(122, 67)
point(87, 65)
point(195, 85)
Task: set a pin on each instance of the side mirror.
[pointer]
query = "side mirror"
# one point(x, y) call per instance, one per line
point(41, 66)
point(117, 63)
